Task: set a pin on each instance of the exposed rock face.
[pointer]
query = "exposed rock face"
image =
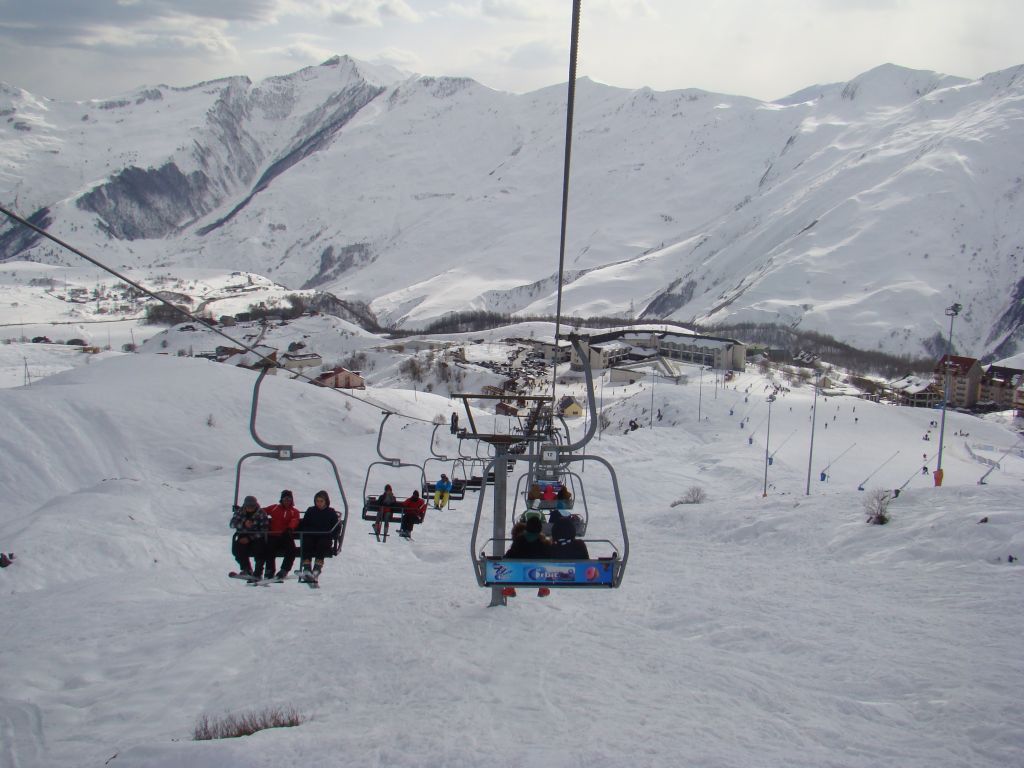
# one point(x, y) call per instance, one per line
point(857, 209)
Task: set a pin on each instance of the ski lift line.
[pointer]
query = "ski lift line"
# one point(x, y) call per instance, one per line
point(433, 452)
point(981, 480)
point(860, 487)
point(570, 104)
point(783, 443)
point(916, 473)
point(184, 312)
point(837, 458)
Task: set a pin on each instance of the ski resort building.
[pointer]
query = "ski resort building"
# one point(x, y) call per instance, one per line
point(301, 361)
point(914, 391)
point(341, 378)
point(965, 379)
point(607, 350)
point(998, 386)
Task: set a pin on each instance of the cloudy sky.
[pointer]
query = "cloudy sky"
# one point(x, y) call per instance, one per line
point(81, 49)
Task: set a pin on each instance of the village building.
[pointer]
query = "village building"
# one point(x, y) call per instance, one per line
point(623, 376)
point(999, 385)
point(300, 361)
point(506, 409)
point(551, 352)
point(341, 378)
point(1018, 401)
point(964, 379)
point(914, 391)
point(267, 357)
point(612, 348)
point(569, 406)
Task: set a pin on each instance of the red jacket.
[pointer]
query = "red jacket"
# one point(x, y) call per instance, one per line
point(282, 518)
point(416, 507)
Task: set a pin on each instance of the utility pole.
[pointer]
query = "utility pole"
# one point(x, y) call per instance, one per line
point(814, 417)
point(767, 439)
point(700, 392)
point(951, 312)
point(652, 398)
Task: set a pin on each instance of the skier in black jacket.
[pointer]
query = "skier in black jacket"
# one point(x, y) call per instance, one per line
point(319, 527)
point(528, 543)
point(566, 546)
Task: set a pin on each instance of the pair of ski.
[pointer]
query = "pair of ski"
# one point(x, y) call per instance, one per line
point(303, 578)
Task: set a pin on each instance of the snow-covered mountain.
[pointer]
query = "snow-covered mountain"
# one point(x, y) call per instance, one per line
point(860, 210)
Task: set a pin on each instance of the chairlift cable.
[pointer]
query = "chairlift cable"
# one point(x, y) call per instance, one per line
point(185, 313)
point(570, 103)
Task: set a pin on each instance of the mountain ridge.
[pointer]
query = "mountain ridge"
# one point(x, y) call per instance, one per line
point(860, 209)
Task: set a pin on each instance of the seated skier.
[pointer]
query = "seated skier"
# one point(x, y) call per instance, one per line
point(415, 509)
point(284, 520)
point(528, 543)
point(385, 503)
point(319, 526)
point(250, 539)
point(566, 546)
point(442, 492)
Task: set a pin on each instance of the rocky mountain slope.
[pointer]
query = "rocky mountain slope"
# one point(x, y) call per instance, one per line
point(860, 210)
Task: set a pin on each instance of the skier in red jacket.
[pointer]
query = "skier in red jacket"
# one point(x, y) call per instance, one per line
point(284, 519)
point(415, 509)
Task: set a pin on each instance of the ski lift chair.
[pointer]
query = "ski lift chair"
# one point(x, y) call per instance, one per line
point(380, 516)
point(602, 570)
point(458, 491)
point(284, 452)
point(568, 487)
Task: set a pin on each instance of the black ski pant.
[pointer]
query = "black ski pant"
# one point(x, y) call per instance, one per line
point(281, 545)
point(249, 546)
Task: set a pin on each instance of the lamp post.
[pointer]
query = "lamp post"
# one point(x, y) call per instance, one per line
point(767, 438)
point(951, 312)
point(814, 417)
point(652, 398)
point(700, 392)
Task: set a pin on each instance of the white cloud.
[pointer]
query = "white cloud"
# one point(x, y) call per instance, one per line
point(300, 51)
point(521, 10)
point(372, 13)
point(161, 36)
point(536, 54)
point(399, 58)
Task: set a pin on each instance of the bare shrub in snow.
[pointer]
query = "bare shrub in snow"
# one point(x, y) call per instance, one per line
point(232, 726)
point(877, 506)
point(694, 495)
